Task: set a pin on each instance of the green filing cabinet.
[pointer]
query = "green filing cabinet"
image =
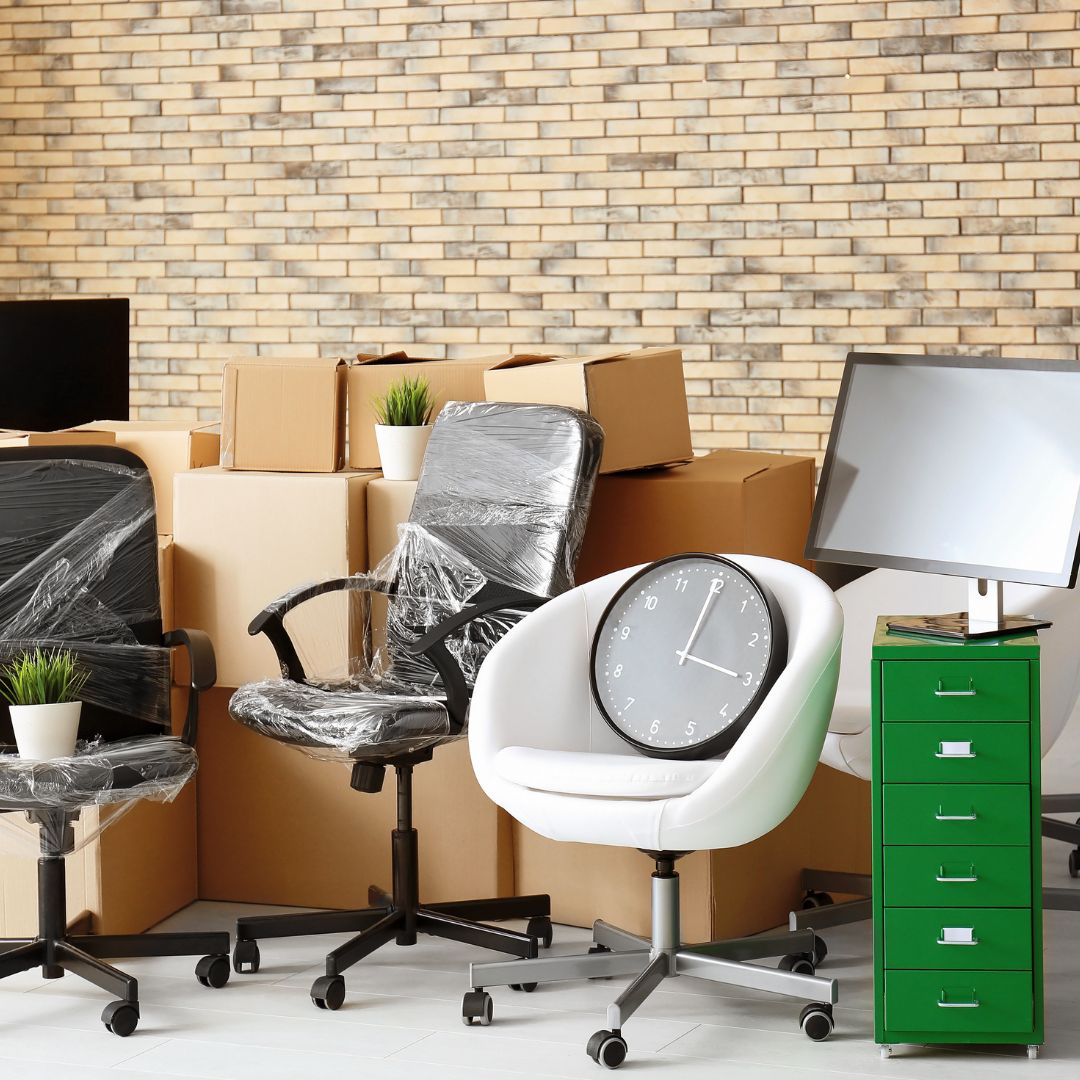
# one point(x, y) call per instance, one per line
point(957, 850)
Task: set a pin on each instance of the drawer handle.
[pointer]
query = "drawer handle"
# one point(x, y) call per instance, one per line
point(946, 939)
point(954, 750)
point(943, 877)
point(969, 692)
point(939, 816)
point(972, 1004)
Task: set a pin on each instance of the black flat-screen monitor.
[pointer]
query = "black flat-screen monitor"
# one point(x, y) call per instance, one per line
point(63, 362)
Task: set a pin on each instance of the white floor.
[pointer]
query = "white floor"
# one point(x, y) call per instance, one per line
point(402, 1020)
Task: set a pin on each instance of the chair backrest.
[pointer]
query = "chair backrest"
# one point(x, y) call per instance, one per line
point(503, 497)
point(901, 592)
point(78, 570)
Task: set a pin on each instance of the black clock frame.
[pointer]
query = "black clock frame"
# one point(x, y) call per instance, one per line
point(724, 740)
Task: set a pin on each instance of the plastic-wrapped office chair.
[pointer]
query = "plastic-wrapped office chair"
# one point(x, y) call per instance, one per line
point(543, 752)
point(78, 571)
point(847, 746)
point(495, 530)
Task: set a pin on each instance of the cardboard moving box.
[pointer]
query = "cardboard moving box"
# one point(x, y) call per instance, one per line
point(243, 539)
point(638, 398)
point(55, 438)
point(168, 447)
point(371, 376)
point(283, 415)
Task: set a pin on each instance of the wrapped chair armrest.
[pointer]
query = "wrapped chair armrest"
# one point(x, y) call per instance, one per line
point(493, 597)
point(203, 667)
point(271, 620)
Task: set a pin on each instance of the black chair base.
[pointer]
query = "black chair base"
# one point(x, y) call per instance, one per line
point(398, 916)
point(59, 953)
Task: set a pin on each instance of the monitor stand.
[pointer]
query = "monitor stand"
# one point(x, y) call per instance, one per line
point(984, 617)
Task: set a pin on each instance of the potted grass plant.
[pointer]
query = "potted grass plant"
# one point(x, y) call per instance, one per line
point(42, 689)
point(403, 427)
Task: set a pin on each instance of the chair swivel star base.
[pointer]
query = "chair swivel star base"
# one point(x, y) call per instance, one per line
point(397, 916)
point(616, 952)
point(58, 952)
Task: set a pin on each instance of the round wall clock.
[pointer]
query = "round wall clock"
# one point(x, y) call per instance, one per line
point(684, 654)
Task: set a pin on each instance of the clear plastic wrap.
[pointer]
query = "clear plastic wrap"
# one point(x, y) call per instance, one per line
point(503, 500)
point(78, 571)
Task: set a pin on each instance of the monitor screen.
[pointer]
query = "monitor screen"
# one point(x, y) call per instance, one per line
point(954, 465)
point(63, 362)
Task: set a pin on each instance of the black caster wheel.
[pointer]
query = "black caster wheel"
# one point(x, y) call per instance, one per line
point(120, 1017)
point(525, 988)
point(245, 957)
point(328, 992)
point(213, 971)
point(821, 950)
point(592, 952)
point(814, 899)
point(1074, 863)
point(799, 963)
point(607, 1048)
point(816, 1020)
point(540, 928)
point(476, 1006)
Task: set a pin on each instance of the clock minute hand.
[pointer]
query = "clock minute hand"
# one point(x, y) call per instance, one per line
point(697, 660)
point(697, 626)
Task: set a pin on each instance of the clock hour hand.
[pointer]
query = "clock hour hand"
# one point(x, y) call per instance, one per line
point(713, 590)
point(683, 656)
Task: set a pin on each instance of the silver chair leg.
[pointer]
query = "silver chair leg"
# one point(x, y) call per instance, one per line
point(732, 973)
point(836, 881)
point(546, 969)
point(757, 947)
point(603, 933)
point(633, 997)
point(820, 918)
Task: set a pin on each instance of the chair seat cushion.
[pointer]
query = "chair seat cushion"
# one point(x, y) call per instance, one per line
point(336, 722)
point(627, 776)
point(849, 719)
point(98, 774)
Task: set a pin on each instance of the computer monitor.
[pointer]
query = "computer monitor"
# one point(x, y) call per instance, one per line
point(955, 465)
point(63, 362)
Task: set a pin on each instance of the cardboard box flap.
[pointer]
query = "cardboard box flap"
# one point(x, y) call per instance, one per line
point(328, 362)
point(526, 360)
point(166, 426)
point(395, 358)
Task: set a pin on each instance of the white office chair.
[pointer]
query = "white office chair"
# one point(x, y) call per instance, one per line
point(847, 745)
point(542, 751)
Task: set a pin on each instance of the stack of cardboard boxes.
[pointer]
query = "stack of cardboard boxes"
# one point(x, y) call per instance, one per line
point(292, 501)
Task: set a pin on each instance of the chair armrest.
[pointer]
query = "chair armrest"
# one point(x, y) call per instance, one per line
point(203, 671)
point(493, 597)
point(271, 620)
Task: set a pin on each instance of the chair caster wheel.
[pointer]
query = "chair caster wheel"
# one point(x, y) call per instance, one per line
point(121, 1017)
point(328, 992)
point(525, 988)
point(798, 963)
point(814, 899)
point(816, 1020)
point(477, 1005)
point(593, 950)
point(607, 1048)
point(821, 950)
point(540, 928)
point(245, 957)
point(213, 971)
point(1074, 863)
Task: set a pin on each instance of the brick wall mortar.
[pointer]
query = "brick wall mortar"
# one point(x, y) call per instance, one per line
point(766, 183)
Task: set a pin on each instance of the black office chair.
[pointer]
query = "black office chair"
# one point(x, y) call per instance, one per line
point(78, 571)
point(495, 530)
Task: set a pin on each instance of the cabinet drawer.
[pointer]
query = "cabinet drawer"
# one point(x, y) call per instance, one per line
point(973, 876)
point(956, 753)
point(990, 1001)
point(956, 813)
point(989, 691)
point(958, 939)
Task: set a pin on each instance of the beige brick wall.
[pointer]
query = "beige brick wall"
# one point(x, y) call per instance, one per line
point(766, 183)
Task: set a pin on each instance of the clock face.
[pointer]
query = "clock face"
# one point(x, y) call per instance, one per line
point(684, 653)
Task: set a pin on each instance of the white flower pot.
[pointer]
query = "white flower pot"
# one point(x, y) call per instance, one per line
point(43, 732)
point(401, 450)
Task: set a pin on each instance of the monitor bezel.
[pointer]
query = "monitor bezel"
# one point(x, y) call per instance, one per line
point(814, 550)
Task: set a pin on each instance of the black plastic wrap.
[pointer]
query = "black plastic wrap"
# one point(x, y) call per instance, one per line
point(503, 499)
